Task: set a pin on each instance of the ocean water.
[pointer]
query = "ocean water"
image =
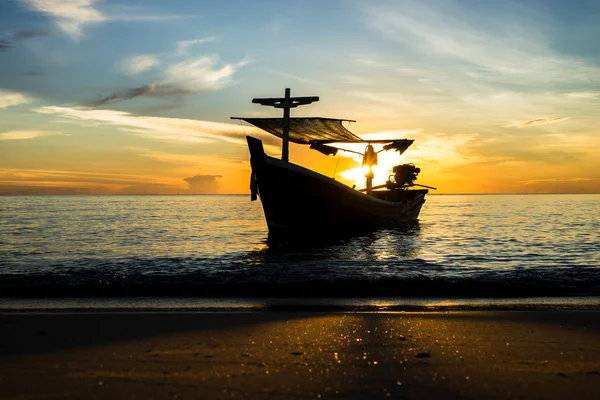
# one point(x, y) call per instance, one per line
point(463, 246)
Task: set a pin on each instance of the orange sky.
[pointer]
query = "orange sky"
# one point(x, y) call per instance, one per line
point(87, 152)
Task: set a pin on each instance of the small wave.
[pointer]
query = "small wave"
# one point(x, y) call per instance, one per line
point(197, 284)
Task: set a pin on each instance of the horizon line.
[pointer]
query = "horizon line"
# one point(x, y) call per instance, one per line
point(246, 194)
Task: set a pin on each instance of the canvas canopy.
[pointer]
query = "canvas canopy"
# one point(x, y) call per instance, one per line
point(308, 130)
point(318, 131)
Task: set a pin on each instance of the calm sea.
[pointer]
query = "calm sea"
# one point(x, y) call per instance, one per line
point(494, 246)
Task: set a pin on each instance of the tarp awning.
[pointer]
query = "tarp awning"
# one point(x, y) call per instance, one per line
point(319, 131)
point(308, 130)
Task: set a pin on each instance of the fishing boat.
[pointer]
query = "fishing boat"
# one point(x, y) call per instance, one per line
point(298, 200)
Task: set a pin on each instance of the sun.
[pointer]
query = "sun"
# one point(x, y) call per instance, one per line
point(381, 171)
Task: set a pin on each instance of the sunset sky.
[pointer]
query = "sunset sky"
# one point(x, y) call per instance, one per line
point(136, 96)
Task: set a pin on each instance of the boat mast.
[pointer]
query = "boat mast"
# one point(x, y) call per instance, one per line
point(286, 103)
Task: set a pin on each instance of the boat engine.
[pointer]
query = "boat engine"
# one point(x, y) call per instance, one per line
point(404, 175)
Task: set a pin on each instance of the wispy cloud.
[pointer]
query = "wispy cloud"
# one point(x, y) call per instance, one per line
point(72, 16)
point(183, 78)
point(461, 106)
point(289, 76)
point(36, 181)
point(62, 176)
point(69, 15)
point(393, 134)
point(537, 181)
point(584, 95)
point(135, 65)
point(454, 68)
point(354, 79)
point(200, 74)
point(183, 46)
point(11, 98)
point(159, 128)
point(146, 17)
point(187, 160)
point(513, 46)
point(372, 62)
point(23, 135)
point(535, 122)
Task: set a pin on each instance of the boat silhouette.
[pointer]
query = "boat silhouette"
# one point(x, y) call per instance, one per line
point(297, 200)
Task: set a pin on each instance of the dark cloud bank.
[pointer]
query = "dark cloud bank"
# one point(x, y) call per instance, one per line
point(158, 90)
point(125, 94)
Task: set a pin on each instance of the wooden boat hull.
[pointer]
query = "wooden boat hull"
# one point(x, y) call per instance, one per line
point(296, 199)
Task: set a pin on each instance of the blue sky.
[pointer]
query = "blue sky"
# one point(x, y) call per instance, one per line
point(139, 94)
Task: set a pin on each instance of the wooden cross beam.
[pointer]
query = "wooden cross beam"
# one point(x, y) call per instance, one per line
point(283, 102)
point(286, 103)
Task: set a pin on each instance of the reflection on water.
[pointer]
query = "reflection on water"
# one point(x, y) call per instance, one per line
point(206, 245)
point(377, 245)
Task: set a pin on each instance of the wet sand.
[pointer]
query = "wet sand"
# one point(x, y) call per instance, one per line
point(280, 355)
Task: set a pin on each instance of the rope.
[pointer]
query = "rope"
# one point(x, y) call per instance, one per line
point(336, 165)
point(242, 125)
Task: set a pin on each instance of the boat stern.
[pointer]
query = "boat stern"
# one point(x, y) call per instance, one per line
point(257, 155)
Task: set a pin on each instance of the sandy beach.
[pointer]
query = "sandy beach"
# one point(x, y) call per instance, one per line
point(269, 355)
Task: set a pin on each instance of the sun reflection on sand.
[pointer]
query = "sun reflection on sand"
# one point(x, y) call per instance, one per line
point(312, 355)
